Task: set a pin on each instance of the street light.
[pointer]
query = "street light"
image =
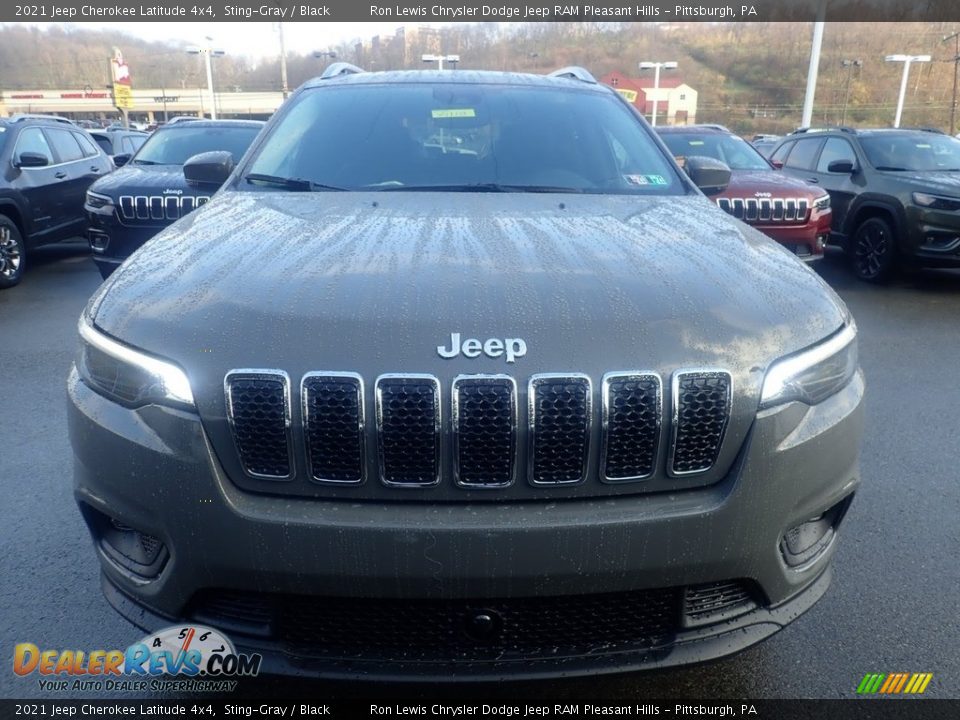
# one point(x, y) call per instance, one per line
point(906, 60)
point(655, 66)
point(208, 52)
point(440, 59)
point(849, 65)
point(956, 64)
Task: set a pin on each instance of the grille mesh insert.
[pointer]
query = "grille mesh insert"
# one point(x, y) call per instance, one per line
point(560, 416)
point(701, 407)
point(258, 411)
point(484, 426)
point(333, 427)
point(408, 413)
point(632, 418)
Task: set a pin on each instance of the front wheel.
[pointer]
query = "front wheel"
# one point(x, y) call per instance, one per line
point(873, 250)
point(12, 253)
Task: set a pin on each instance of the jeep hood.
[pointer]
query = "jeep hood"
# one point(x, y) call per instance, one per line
point(142, 179)
point(374, 282)
point(745, 183)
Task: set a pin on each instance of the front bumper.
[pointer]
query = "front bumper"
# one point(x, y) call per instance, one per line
point(934, 236)
point(164, 479)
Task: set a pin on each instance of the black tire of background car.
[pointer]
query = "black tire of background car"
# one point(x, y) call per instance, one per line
point(873, 250)
point(13, 256)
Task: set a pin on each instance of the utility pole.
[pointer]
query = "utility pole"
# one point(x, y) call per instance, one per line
point(956, 64)
point(208, 52)
point(814, 66)
point(284, 87)
point(849, 65)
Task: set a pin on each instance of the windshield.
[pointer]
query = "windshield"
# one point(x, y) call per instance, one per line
point(919, 151)
point(462, 137)
point(175, 146)
point(736, 152)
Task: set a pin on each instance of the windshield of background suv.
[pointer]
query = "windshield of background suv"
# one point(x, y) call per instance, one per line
point(176, 146)
point(446, 136)
point(919, 151)
point(736, 152)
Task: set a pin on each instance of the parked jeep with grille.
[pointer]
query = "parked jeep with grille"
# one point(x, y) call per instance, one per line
point(461, 376)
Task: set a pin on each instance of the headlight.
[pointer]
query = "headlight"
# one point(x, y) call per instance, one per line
point(96, 201)
point(814, 374)
point(128, 376)
point(822, 202)
point(936, 202)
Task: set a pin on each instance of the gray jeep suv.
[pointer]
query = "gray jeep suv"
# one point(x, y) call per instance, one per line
point(459, 376)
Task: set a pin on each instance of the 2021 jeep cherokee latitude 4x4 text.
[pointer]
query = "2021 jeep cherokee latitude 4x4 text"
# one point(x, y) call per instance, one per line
point(460, 376)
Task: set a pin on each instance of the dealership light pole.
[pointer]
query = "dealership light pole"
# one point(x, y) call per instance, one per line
point(814, 66)
point(656, 66)
point(849, 65)
point(208, 52)
point(956, 64)
point(284, 88)
point(907, 60)
point(441, 59)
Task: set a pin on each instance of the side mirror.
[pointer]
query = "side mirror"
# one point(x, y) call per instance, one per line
point(843, 167)
point(122, 159)
point(209, 168)
point(708, 174)
point(31, 160)
point(777, 164)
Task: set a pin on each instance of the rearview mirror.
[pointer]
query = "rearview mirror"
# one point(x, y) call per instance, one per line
point(29, 159)
point(844, 167)
point(209, 168)
point(121, 160)
point(708, 174)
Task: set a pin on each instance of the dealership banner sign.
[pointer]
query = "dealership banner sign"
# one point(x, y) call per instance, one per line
point(485, 10)
point(122, 84)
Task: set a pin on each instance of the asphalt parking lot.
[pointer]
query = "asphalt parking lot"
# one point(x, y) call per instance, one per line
point(893, 606)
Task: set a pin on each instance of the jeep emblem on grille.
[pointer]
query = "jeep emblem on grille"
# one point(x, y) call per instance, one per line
point(512, 348)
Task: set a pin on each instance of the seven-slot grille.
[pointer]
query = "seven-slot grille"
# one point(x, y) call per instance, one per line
point(701, 407)
point(483, 427)
point(484, 430)
point(766, 209)
point(258, 408)
point(158, 207)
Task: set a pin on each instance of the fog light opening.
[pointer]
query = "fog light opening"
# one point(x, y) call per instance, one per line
point(98, 241)
point(805, 543)
point(133, 550)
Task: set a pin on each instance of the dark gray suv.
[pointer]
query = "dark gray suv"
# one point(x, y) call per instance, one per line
point(459, 376)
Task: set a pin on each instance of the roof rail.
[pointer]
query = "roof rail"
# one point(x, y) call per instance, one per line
point(841, 128)
point(21, 117)
point(710, 126)
point(573, 72)
point(938, 131)
point(340, 68)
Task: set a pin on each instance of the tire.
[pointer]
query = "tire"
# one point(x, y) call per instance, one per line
point(873, 250)
point(13, 255)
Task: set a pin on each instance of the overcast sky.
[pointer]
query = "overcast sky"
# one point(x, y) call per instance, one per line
point(254, 39)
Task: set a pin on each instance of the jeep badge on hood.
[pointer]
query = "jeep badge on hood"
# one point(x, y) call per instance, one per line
point(513, 348)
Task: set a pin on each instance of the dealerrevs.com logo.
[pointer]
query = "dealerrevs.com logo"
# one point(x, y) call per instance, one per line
point(180, 657)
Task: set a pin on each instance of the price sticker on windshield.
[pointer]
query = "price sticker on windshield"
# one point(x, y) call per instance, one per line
point(454, 113)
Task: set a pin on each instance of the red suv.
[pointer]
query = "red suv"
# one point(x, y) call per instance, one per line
point(793, 212)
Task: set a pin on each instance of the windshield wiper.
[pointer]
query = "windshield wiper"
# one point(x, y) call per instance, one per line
point(146, 162)
point(891, 169)
point(298, 184)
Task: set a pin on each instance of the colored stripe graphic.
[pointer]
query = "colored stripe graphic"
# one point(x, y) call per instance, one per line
point(894, 683)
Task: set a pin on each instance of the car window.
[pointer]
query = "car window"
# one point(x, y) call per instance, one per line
point(33, 140)
point(176, 145)
point(449, 135)
point(86, 145)
point(736, 152)
point(132, 143)
point(104, 142)
point(801, 158)
point(65, 145)
point(913, 151)
point(781, 154)
point(835, 149)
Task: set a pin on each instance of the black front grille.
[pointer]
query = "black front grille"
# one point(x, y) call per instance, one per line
point(450, 630)
point(158, 208)
point(631, 424)
point(258, 407)
point(560, 409)
point(333, 427)
point(484, 423)
point(408, 419)
point(701, 408)
point(787, 210)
